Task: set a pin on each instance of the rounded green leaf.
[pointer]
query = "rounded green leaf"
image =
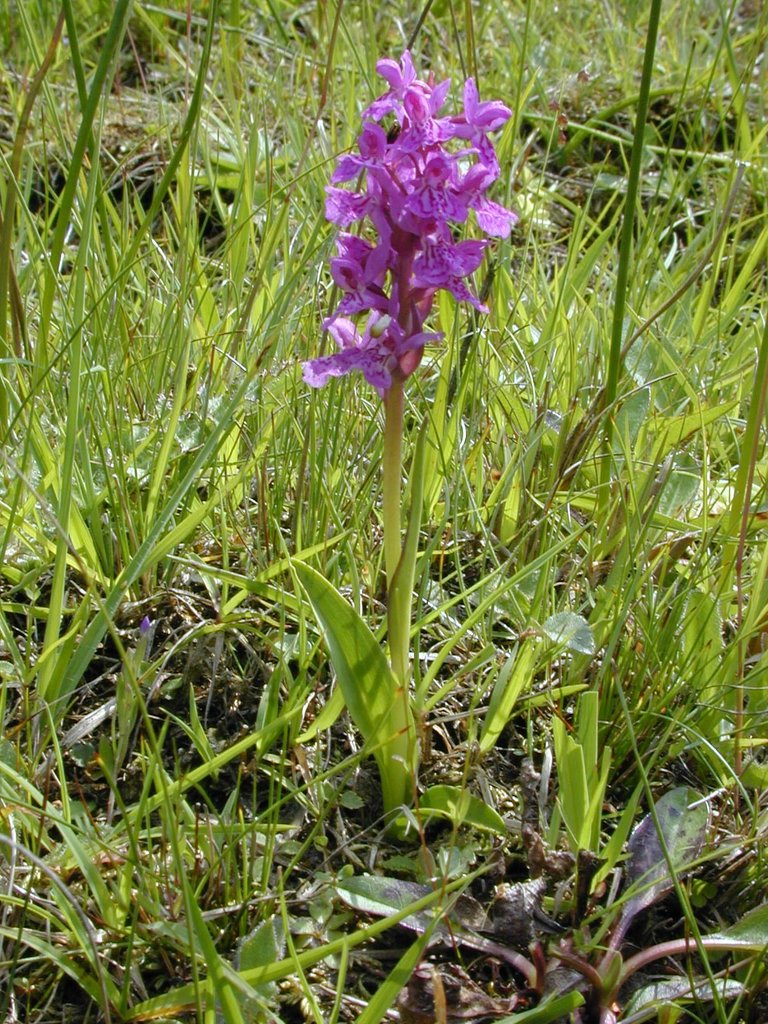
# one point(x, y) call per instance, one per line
point(571, 630)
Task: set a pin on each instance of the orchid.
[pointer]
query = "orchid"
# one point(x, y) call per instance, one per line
point(413, 186)
point(419, 182)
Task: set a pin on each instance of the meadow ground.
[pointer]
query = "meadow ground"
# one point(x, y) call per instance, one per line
point(190, 825)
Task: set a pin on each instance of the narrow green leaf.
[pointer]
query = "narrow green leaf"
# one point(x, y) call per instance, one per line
point(396, 980)
point(85, 860)
point(220, 976)
point(515, 674)
point(550, 1011)
point(331, 710)
point(679, 429)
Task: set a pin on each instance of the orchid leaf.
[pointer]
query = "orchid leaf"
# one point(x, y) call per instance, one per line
point(376, 701)
point(461, 808)
point(751, 931)
point(645, 1003)
point(654, 855)
point(583, 770)
point(387, 897)
point(381, 896)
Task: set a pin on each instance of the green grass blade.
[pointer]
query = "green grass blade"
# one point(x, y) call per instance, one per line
point(628, 227)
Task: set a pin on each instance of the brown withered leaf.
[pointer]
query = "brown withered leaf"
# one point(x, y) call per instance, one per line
point(444, 993)
point(516, 913)
point(542, 860)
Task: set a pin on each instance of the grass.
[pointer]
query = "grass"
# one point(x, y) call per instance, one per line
point(177, 806)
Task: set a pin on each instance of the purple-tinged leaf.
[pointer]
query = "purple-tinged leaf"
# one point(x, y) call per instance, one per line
point(683, 818)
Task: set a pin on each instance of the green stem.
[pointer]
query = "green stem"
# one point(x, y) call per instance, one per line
point(625, 248)
point(738, 526)
point(392, 476)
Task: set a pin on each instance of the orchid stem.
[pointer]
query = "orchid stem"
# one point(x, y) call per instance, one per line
point(392, 476)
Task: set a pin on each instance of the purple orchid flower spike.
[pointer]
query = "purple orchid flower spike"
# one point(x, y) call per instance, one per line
point(413, 187)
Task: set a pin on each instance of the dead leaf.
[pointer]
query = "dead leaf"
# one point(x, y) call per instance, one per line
point(438, 993)
point(516, 913)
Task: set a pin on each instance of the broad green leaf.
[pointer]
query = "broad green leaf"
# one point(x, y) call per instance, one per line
point(351, 800)
point(755, 774)
point(461, 808)
point(681, 486)
point(702, 633)
point(8, 755)
point(378, 704)
point(645, 1003)
point(632, 414)
point(382, 897)
point(263, 946)
point(571, 630)
point(750, 931)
